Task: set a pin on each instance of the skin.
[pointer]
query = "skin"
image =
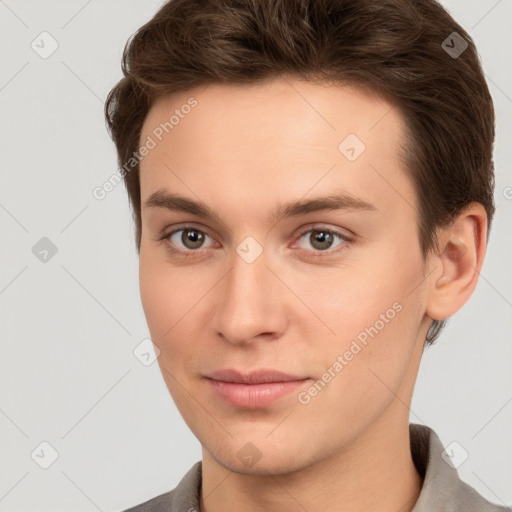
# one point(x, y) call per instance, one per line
point(242, 151)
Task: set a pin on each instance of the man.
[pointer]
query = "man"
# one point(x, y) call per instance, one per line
point(312, 189)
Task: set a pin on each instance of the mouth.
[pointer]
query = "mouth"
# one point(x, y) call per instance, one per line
point(253, 390)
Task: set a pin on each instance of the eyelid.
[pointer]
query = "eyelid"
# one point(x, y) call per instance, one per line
point(188, 225)
point(345, 234)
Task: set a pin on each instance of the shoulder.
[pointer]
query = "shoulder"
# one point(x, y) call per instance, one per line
point(443, 490)
point(161, 503)
point(183, 498)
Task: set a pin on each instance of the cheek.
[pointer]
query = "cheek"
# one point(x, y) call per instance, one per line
point(364, 370)
point(373, 312)
point(170, 302)
point(349, 301)
point(174, 300)
point(157, 297)
point(163, 305)
point(165, 300)
point(166, 294)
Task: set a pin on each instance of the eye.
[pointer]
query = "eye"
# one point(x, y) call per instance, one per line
point(191, 241)
point(187, 239)
point(320, 239)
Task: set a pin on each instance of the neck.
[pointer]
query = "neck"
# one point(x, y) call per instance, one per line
point(376, 472)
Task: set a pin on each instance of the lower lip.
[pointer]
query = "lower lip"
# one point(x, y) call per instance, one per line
point(254, 396)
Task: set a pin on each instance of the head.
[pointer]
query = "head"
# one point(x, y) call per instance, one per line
point(253, 109)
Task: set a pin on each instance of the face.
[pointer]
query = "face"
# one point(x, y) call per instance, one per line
point(279, 234)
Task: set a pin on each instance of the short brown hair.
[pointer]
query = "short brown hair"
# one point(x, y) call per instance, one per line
point(399, 48)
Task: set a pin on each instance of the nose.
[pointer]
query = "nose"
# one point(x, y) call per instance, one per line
point(251, 303)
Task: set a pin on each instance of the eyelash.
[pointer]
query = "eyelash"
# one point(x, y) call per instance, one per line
point(314, 253)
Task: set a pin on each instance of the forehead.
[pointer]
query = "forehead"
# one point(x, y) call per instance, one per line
point(273, 108)
point(276, 141)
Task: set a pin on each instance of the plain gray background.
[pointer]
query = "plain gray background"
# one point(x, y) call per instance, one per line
point(70, 324)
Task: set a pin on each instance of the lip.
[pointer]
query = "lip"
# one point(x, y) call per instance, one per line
point(260, 376)
point(253, 390)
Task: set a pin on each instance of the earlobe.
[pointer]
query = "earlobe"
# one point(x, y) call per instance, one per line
point(460, 258)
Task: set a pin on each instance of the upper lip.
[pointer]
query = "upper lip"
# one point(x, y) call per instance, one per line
point(254, 377)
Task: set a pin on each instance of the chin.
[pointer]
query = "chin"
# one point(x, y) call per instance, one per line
point(255, 455)
point(270, 465)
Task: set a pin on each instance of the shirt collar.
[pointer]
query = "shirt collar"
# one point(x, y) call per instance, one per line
point(442, 489)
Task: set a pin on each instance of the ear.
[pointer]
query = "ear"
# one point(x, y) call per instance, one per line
point(457, 264)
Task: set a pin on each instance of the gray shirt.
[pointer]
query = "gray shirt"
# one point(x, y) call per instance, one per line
point(442, 490)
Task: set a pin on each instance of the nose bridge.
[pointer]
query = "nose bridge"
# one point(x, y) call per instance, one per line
point(244, 310)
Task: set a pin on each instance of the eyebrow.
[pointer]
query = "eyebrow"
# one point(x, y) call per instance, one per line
point(296, 208)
